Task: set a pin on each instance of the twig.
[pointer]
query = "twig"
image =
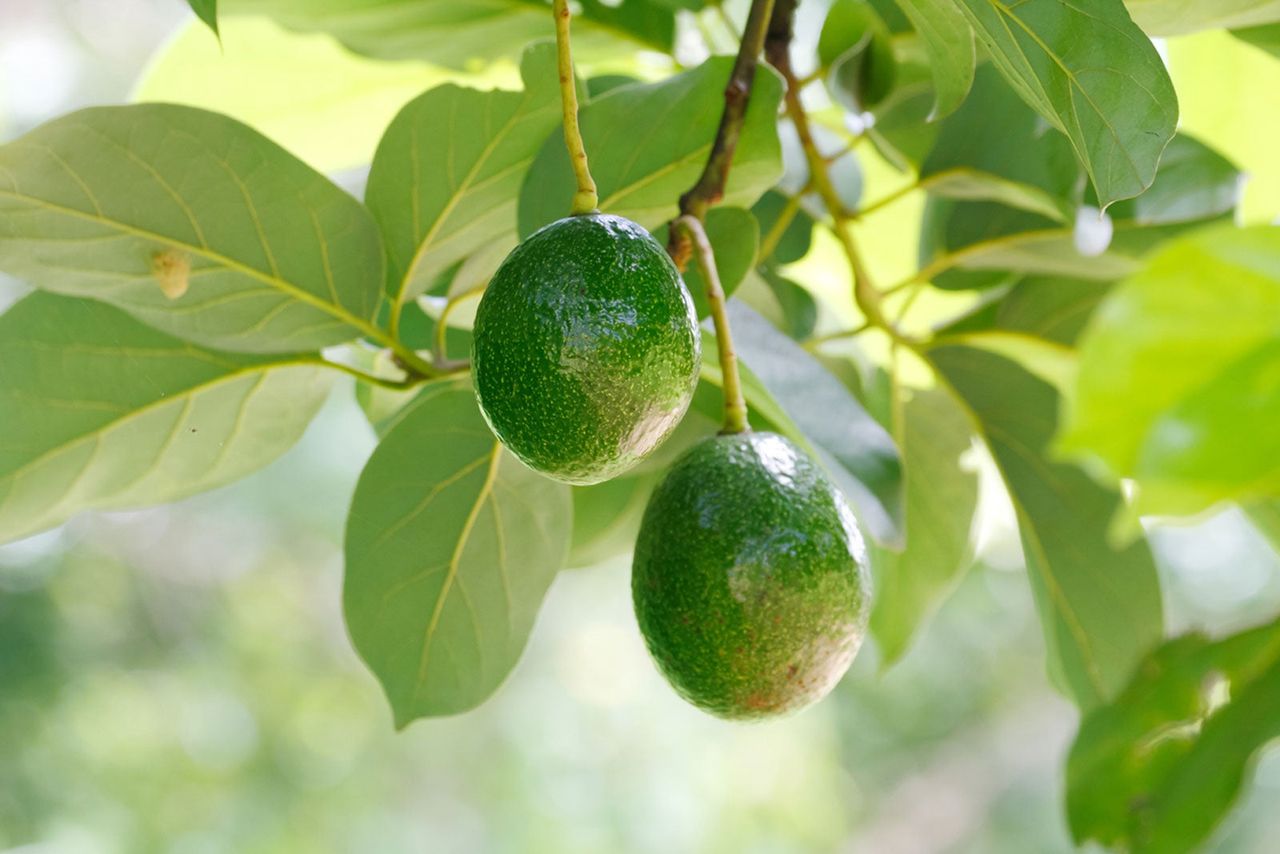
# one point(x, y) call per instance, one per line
point(735, 407)
point(585, 200)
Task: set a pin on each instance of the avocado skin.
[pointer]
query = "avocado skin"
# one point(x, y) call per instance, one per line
point(586, 349)
point(750, 580)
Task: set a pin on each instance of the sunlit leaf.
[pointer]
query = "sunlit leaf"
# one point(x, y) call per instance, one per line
point(102, 412)
point(451, 545)
point(1172, 361)
point(207, 11)
point(447, 174)
point(1177, 17)
point(194, 224)
point(462, 32)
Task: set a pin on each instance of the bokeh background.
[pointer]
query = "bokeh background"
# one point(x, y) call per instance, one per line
point(178, 679)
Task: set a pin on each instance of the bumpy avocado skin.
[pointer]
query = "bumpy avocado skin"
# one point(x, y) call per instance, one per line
point(586, 348)
point(750, 579)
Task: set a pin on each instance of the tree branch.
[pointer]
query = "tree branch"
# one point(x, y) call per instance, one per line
point(709, 188)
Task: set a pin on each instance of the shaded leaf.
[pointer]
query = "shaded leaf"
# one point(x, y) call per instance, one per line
point(857, 48)
point(1171, 359)
point(192, 223)
point(449, 554)
point(102, 412)
point(1099, 606)
point(941, 497)
point(648, 144)
point(1157, 769)
point(1266, 37)
point(1093, 75)
point(447, 174)
point(852, 445)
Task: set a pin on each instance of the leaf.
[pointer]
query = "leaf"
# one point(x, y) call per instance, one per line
point(606, 518)
point(941, 497)
point(1156, 770)
point(1055, 309)
point(1172, 357)
point(1265, 516)
point(1093, 75)
point(1266, 37)
point(1194, 185)
point(451, 546)
point(253, 72)
point(192, 223)
point(1178, 17)
point(207, 11)
point(1099, 606)
point(735, 238)
point(796, 238)
point(971, 185)
point(447, 174)
point(648, 144)
point(857, 48)
point(854, 448)
point(949, 40)
point(462, 32)
point(101, 412)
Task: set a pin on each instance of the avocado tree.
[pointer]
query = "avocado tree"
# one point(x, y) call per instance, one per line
point(655, 273)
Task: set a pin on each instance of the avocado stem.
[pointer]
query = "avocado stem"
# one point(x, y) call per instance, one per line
point(585, 200)
point(735, 407)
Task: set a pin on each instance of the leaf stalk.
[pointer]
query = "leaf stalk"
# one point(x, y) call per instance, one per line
point(586, 199)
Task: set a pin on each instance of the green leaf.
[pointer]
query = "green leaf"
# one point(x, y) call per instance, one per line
point(971, 185)
point(941, 496)
point(447, 174)
point(796, 238)
point(194, 224)
point(1055, 309)
point(735, 238)
point(1093, 75)
point(649, 143)
point(101, 412)
point(606, 518)
point(852, 445)
point(1266, 37)
point(857, 48)
point(451, 546)
point(1156, 770)
point(1178, 17)
point(949, 40)
point(1265, 516)
point(1099, 605)
point(1194, 185)
point(207, 11)
point(462, 32)
point(1171, 358)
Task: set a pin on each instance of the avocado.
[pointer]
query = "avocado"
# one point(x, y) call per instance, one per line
point(586, 348)
point(750, 579)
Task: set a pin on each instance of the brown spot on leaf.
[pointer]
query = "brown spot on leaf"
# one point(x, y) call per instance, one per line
point(172, 270)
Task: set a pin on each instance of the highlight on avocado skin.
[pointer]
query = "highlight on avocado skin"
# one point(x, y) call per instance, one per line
point(750, 579)
point(586, 348)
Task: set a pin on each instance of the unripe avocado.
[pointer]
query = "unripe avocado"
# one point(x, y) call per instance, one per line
point(750, 579)
point(586, 348)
